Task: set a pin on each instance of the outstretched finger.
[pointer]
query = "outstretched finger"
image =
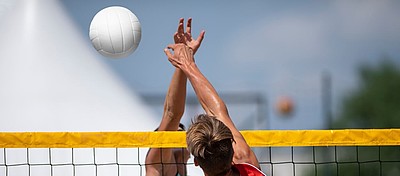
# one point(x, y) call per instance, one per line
point(178, 38)
point(180, 26)
point(189, 26)
point(201, 36)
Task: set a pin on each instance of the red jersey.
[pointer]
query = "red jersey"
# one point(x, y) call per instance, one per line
point(246, 169)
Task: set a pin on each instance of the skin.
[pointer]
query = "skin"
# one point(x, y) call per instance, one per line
point(183, 58)
point(174, 107)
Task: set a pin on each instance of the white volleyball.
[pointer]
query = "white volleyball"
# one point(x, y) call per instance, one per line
point(115, 32)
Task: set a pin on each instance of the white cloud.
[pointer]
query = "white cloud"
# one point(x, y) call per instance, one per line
point(365, 20)
point(341, 29)
point(285, 38)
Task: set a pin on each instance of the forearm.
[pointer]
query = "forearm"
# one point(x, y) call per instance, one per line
point(174, 104)
point(176, 95)
point(206, 93)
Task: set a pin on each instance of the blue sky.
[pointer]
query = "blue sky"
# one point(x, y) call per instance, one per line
point(277, 48)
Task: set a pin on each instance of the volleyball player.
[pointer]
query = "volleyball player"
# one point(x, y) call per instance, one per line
point(216, 144)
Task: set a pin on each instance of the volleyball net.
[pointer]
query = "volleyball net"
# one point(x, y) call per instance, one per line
point(280, 152)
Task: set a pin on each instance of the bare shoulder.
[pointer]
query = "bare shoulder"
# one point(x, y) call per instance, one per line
point(243, 153)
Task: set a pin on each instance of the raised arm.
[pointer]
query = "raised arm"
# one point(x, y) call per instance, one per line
point(175, 99)
point(174, 106)
point(210, 100)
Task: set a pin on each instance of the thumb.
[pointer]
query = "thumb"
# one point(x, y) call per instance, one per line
point(201, 36)
point(168, 53)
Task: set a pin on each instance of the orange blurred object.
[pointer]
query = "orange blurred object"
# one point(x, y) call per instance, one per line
point(285, 106)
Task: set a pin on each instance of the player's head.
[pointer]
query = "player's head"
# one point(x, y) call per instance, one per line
point(210, 142)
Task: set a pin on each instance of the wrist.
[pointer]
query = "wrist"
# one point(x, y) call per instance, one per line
point(189, 68)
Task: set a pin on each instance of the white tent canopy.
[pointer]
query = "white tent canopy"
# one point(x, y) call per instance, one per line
point(52, 80)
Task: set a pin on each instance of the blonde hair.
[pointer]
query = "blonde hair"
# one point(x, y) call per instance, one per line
point(210, 142)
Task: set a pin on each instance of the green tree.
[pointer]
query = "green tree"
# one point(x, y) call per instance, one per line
point(376, 102)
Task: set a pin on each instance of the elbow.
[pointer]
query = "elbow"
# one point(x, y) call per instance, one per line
point(216, 108)
point(220, 109)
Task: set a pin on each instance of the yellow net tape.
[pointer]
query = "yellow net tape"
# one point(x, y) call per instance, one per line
point(255, 138)
point(351, 137)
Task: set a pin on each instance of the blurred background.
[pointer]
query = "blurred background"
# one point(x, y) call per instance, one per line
point(337, 61)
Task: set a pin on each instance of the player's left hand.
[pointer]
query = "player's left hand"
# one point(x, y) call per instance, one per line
point(186, 38)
